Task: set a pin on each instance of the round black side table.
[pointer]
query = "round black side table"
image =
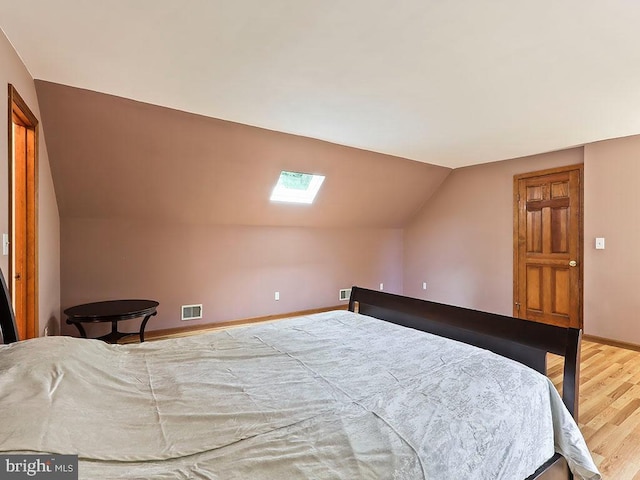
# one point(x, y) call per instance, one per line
point(112, 311)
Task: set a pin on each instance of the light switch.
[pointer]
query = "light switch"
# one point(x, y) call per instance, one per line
point(5, 244)
point(599, 243)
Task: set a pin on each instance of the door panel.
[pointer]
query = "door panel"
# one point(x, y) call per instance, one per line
point(19, 228)
point(548, 246)
point(534, 231)
point(534, 291)
point(23, 164)
point(560, 280)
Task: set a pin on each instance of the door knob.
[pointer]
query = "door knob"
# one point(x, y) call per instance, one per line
point(573, 263)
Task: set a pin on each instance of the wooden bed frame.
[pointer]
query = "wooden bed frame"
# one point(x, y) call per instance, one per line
point(8, 327)
point(521, 340)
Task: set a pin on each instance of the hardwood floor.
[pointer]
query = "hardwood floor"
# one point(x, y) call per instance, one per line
point(609, 411)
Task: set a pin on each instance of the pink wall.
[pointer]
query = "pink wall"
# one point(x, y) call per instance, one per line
point(118, 158)
point(13, 71)
point(129, 228)
point(612, 204)
point(173, 206)
point(232, 270)
point(461, 243)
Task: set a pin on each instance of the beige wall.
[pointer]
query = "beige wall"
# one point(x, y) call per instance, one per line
point(233, 271)
point(612, 203)
point(14, 72)
point(461, 243)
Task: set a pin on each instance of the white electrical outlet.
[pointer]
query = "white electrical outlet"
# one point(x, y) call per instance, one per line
point(382, 286)
point(277, 296)
point(424, 285)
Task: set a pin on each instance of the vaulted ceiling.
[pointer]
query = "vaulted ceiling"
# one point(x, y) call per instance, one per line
point(448, 83)
point(115, 158)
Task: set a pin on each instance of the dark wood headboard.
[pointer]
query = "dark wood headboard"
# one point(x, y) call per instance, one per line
point(7, 319)
point(521, 340)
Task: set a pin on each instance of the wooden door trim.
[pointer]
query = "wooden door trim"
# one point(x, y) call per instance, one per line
point(516, 213)
point(20, 113)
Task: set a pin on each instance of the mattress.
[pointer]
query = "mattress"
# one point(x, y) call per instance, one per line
point(331, 395)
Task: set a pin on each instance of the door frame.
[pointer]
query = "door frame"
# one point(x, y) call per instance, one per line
point(19, 112)
point(580, 254)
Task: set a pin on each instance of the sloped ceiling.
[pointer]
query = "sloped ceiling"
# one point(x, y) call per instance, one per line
point(444, 82)
point(118, 158)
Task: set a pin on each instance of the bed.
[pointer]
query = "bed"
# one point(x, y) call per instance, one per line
point(333, 395)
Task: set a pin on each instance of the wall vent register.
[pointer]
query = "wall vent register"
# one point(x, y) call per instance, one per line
point(191, 312)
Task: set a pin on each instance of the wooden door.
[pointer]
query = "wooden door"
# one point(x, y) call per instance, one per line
point(548, 255)
point(23, 215)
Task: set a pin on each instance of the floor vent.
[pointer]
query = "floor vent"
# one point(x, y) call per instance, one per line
point(345, 293)
point(191, 312)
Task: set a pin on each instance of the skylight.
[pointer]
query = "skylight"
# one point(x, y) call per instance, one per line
point(295, 187)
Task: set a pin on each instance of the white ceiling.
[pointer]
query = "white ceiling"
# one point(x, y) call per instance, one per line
point(448, 82)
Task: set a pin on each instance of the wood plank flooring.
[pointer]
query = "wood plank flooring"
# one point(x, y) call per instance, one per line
point(609, 410)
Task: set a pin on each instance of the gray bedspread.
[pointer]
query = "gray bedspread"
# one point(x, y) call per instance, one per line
point(333, 395)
